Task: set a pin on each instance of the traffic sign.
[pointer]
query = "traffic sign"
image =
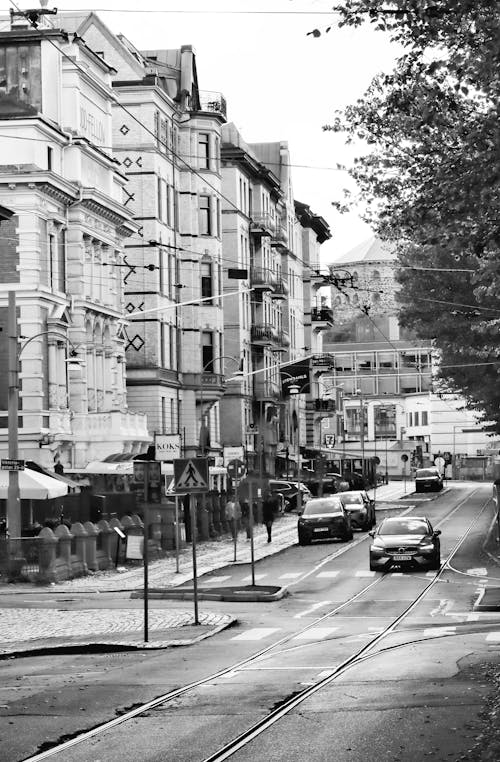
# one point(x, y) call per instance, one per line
point(191, 475)
point(236, 469)
point(11, 464)
point(167, 446)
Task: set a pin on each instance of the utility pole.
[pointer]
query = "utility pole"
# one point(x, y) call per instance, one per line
point(362, 432)
point(13, 502)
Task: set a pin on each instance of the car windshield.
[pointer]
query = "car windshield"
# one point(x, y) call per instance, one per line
point(404, 526)
point(349, 499)
point(314, 507)
point(422, 472)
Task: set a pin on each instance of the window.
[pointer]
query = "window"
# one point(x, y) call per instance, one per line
point(207, 356)
point(206, 280)
point(425, 418)
point(416, 417)
point(158, 198)
point(168, 204)
point(203, 151)
point(49, 157)
point(204, 222)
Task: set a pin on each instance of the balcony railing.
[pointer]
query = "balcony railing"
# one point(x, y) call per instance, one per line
point(212, 101)
point(282, 339)
point(281, 289)
point(279, 236)
point(261, 277)
point(266, 389)
point(324, 405)
point(262, 334)
point(322, 315)
point(112, 424)
point(262, 223)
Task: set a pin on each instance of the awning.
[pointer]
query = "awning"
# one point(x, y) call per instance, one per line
point(33, 486)
point(53, 475)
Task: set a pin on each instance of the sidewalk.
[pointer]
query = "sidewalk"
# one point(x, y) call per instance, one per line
point(37, 627)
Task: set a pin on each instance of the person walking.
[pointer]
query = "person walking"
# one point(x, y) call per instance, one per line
point(245, 517)
point(269, 510)
point(233, 514)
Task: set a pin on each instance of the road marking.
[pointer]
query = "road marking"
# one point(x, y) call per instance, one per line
point(325, 673)
point(472, 617)
point(316, 633)
point(257, 576)
point(432, 632)
point(290, 575)
point(328, 574)
point(257, 633)
point(213, 580)
point(312, 609)
point(480, 572)
point(365, 573)
point(442, 607)
point(493, 637)
point(396, 574)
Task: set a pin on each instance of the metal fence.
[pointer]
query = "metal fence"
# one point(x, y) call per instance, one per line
point(19, 559)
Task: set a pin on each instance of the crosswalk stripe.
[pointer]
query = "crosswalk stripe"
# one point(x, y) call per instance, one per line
point(215, 580)
point(257, 576)
point(365, 573)
point(396, 574)
point(493, 637)
point(257, 633)
point(312, 609)
point(328, 574)
point(439, 631)
point(315, 633)
point(290, 575)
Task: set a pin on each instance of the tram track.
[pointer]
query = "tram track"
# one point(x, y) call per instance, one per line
point(276, 648)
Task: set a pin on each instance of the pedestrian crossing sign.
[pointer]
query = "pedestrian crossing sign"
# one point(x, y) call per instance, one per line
point(191, 475)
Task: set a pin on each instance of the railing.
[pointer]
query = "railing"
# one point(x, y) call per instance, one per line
point(266, 389)
point(324, 405)
point(322, 315)
point(106, 423)
point(262, 222)
point(281, 289)
point(261, 277)
point(282, 338)
point(262, 333)
point(213, 101)
point(279, 235)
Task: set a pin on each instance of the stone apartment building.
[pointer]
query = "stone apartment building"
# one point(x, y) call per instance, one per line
point(135, 206)
point(63, 249)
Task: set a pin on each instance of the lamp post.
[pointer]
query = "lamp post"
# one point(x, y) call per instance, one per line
point(14, 355)
point(294, 391)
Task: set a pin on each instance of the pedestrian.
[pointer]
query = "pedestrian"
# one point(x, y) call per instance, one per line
point(233, 514)
point(245, 516)
point(269, 510)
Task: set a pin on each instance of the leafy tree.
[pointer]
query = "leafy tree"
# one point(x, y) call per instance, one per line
point(429, 179)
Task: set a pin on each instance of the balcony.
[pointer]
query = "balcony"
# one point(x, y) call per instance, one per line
point(281, 341)
point(316, 277)
point(281, 289)
point(262, 335)
point(266, 390)
point(206, 383)
point(262, 278)
point(322, 317)
point(262, 224)
point(279, 235)
point(109, 426)
point(213, 102)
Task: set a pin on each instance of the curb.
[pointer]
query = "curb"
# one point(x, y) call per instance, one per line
point(109, 646)
point(231, 595)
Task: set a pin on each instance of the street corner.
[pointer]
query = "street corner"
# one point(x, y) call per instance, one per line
point(230, 594)
point(164, 631)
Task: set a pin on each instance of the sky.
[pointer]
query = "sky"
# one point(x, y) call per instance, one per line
point(280, 83)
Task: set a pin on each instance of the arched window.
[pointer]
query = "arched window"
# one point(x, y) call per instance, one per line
point(375, 275)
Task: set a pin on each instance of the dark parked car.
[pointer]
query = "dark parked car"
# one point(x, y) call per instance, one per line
point(288, 489)
point(428, 479)
point(405, 541)
point(360, 508)
point(324, 518)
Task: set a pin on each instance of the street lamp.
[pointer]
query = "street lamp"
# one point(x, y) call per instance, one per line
point(294, 391)
point(14, 355)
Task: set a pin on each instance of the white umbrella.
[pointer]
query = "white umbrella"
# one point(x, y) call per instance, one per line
point(33, 486)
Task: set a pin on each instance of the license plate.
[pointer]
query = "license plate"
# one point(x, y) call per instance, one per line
point(322, 529)
point(401, 558)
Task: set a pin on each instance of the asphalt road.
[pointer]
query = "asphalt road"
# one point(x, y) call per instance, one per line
point(419, 691)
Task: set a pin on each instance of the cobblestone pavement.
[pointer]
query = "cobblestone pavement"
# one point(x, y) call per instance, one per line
point(35, 627)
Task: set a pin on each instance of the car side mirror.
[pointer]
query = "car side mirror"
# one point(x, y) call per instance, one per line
point(437, 532)
point(371, 534)
point(299, 513)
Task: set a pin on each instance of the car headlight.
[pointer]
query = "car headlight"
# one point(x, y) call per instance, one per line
point(377, 549)
point(426, 547)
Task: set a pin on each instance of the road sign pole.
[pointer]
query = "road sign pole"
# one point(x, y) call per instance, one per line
point(235, 523)
point(176, 534)
point(192, 511)
point(145, 553)
point(250, 519)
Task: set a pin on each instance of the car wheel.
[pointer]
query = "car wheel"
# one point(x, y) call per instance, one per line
point(348, 535)
point(304, 541)
point(435, 564)
point(372, 567)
